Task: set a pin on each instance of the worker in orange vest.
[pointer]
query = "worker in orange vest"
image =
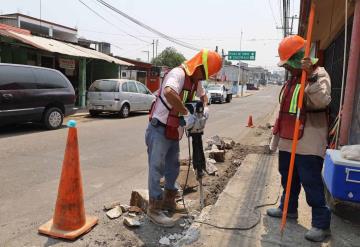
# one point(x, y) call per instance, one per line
point(164, 131)
point(312, 135)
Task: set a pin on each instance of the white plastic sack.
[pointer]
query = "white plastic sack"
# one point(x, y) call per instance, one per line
point(351, 152)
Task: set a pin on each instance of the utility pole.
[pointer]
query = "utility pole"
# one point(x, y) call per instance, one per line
point(156, 47)
point(223, 63)
point(153, 46)
point(242, 83)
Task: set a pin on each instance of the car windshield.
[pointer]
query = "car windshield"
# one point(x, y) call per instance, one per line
point(214, 87)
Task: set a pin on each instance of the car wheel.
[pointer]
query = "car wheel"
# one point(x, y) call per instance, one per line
point(125, 111)
point(53, 118)
point(94, 113)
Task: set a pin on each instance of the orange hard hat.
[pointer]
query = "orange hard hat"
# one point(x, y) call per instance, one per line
point(211, 61)
point(289, 46)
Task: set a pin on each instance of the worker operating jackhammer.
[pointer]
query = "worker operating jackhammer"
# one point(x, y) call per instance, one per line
point(312, 135)
point(164, 132)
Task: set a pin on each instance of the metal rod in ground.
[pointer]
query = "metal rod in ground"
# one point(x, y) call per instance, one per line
point(201, 194)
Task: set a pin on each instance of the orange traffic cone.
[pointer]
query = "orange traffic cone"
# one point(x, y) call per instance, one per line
point(69, 219)
point(250, 122)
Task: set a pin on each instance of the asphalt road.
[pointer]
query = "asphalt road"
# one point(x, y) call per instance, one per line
point(113, 161)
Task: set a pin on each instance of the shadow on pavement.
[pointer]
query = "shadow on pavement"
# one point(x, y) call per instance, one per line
point(22, 129)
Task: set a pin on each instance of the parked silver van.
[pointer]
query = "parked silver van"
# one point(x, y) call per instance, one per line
point(118, 95)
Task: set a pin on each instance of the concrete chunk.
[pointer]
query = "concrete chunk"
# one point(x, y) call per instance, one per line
point(114, 213)
point(135, 209)
point(140, 198)
point(111, 205)
point(131, 222)
point(229, 143)
point(218, 155)
point(164, 241)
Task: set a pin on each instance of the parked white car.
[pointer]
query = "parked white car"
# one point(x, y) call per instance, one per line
point(118, 96)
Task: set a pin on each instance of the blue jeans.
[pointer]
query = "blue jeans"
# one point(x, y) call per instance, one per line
point(307, 172)
point(163, 159)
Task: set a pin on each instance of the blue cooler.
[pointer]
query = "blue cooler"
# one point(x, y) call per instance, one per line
point(341, 176)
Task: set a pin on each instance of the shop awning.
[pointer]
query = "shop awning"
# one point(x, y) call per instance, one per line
point(56, 46)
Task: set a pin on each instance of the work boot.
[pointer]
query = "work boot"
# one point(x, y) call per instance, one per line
point(157, 216)
point(277, 213)
point(317, 235)
point(170, 204)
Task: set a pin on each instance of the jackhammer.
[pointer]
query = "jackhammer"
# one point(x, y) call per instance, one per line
point(195, 124)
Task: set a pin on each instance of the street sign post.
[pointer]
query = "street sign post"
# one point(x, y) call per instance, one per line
point(242, 55)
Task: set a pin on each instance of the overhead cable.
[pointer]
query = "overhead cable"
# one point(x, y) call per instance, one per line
point(143, 25)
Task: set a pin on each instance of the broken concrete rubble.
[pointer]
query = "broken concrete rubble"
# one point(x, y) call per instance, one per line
point(211, 169)
point(164, 241)
point(236, 162)
point(131, 222)
point(135, 209)
point(124, 208)
point(215, 140)
point(229, 143)
point(140, 199)
point(217, 155)
point(114, 213)
point(111, 205)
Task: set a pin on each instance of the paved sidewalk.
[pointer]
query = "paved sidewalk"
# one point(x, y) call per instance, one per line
point(257, 182)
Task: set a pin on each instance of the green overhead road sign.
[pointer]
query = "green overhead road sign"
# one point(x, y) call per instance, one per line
point(242, 55)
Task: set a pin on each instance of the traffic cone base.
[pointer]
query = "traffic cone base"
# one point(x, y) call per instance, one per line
point(49, 229)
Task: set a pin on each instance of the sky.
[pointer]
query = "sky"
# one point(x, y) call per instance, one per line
point(201, 23)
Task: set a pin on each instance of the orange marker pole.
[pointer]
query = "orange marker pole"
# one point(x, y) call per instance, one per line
point(297, 123)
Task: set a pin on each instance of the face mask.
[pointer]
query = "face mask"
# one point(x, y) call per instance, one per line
point(295, 60)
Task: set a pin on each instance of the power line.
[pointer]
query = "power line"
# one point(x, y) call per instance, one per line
point(272, 13)
point(143, 25)
point(106, 20)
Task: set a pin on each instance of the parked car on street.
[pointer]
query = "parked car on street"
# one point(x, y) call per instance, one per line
point(118, 96)
point(34, 94)
point(219, 93)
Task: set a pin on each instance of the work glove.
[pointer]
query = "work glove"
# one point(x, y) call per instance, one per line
point(187, 121)
point(206, 112)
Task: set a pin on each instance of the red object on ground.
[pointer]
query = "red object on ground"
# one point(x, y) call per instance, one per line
point(69, 219)
point(250, 122)
point(297, 123)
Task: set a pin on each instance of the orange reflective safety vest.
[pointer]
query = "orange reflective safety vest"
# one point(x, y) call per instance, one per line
point(285, 123)
point(173, 130)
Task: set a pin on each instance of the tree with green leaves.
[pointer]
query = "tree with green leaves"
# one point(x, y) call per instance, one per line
point(169, 57)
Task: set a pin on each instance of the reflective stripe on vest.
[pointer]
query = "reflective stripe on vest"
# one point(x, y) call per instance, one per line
point(294, 99)
point(185, 96)
point(205, 62)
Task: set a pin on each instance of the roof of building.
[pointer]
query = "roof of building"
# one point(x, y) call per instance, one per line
point(136, 62)
point(56, 46)
point(36, 19)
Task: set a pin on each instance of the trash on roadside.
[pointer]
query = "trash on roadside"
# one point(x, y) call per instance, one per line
point(131, 222)
point(236, 162)
point(114, 213)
